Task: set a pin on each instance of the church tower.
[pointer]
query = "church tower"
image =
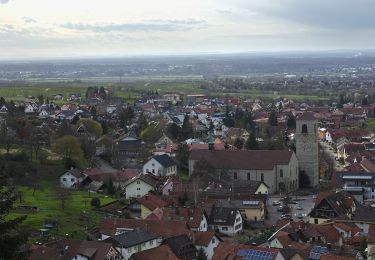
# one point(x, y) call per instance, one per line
point(307, 150)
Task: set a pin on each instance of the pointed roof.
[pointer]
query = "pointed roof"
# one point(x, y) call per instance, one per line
point(307, 116)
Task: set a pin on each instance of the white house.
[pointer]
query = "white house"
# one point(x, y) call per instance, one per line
point(160, 165)
point(72, 178)
point(4, 109)
point(207, 241)
point(29, 109)
point(43, 114)
point(227, 221)
point(140, 185)
point(134, 241)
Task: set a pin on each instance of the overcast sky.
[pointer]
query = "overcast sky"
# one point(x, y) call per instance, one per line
point(57, 28)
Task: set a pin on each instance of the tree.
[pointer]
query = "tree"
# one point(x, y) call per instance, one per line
point(238, 143)
point(111, 187)
point(228, 120)
point(304, 180)
point(68, 147)
point(174, 130)
point(251, 142)
point(12, 236)
point(182, 156)
point(95, 202)
point(187, 128)
point(201, 255)
point(364, 101)
point(291, 122)
point(63, 195)
point(272, 120)
point(92, 126)
point(125, 116)
point(142, 123)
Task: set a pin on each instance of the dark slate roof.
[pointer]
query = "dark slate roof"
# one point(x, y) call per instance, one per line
point(243, 159)
point(222, 216)
point(131, 238)
point(364, 214)
point(181, 246)
point(165, 160)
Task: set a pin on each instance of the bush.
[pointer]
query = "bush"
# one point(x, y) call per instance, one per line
point(95, 202)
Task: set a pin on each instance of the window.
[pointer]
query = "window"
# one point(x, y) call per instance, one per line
point(224, 228)
point(64, 179)
point(235, 175)
point(316, 221)
point(72, 180)
point(153, 170)
point(281, 173)
point(129, 250)
point(138, 182)
point(255, 218)
point(151, 242)
point(304, 129)
point(138, 188)
point(262, 177)
point(213, 240)
point(238, 219)
point(248, 176)
point(153, 164)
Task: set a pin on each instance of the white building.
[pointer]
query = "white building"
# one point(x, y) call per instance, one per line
point(227, 221)
point(207, 241)
point(160, 165)
point(72, 178)
point(140, 186)
point(134, 241)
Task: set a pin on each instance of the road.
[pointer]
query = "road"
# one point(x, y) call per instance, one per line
point(307, 203)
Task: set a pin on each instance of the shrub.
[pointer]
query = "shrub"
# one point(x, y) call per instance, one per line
point(95, 202)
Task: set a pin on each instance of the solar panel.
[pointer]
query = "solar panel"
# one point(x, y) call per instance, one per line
point(251, 254)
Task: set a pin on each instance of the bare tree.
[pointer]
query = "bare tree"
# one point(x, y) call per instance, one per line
point(63, 195)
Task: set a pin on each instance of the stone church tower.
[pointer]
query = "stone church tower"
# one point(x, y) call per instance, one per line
point(307, 150)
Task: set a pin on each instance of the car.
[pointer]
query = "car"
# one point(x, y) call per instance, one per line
point(280, 208)
point(299, 207)
point(299, 215)
point(314, 197)
point(286, 216)
point(276, 203)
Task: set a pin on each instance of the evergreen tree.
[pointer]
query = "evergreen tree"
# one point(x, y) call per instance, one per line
point(12, 236)
point(251, 142)
point(174, 130)
point(187, 129)
point(272, 120)
point(228, 121)
point(238, 143)
point(291, 122)
point(182, 156)
point(111, 187)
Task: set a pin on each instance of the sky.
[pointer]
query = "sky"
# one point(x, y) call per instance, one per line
point(80, 28)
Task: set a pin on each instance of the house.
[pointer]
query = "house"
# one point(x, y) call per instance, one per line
point(208, 241)
point(128, 148)
point(181, 246)
point(195, 218)
point(163, 228)
point(72, 178)
point(230, 251)
point(278, 169)
point(29, 109)
point(227, 221)
point(130, 242)
point(65, 115)
point(330, 205)
point(236, 133)
point(160, 165)
point(148, 203)
point(162, 252)
point(75, 249)
point(4, 109)
point(43, 114)
point(251, 210)
point(140, 185)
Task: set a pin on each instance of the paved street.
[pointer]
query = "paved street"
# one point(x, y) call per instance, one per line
point(307, 202)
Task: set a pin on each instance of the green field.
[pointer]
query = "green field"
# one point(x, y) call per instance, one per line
point(77, 217)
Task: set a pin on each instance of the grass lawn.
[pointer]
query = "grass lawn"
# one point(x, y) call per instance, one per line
point(183, 175)
point(370, 125)
point(74, 220)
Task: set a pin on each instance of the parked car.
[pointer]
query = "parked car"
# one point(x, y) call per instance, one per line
point(287, 216)
point(299, 207)
point(276, 203)
point(300, 215)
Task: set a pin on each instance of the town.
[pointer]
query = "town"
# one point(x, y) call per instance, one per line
point(191, 176)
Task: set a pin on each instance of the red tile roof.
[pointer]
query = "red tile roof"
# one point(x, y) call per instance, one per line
point(203, 238)
point(162, 252)
point(151, 201)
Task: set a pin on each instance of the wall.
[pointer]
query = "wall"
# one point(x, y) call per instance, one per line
point(68, 183)
point(132, 192)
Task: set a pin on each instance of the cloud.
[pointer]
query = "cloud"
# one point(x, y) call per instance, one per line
point(332, 14)
point(4, 1)
point(151, 25)
point(28, 19)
